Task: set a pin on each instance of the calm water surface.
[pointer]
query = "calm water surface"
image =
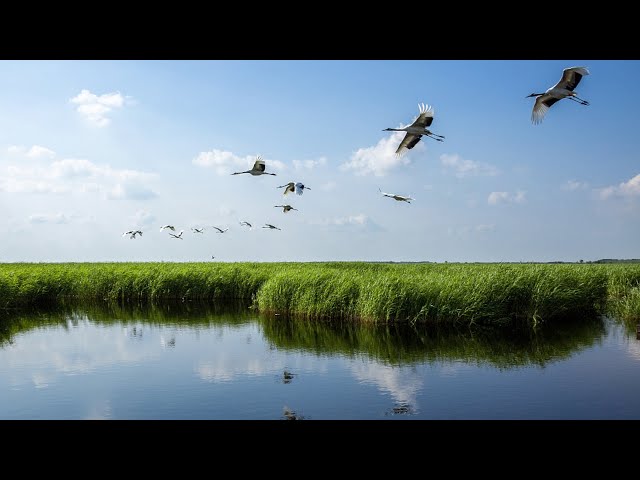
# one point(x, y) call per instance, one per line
point(195, 363)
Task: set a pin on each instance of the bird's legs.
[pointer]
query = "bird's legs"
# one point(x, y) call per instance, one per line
point(579, 100)
point(435, 137)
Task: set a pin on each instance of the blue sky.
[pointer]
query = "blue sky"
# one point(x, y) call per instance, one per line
point(91, 149)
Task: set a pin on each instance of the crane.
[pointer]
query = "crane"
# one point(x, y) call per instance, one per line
point(400, 198)
point(132, 233)
point(563, 89)
point(416, 130)
point(178, 235)
point(272, 227)
point(219, 229)
point(293, 187)
point(286, 208)
point(258, 168)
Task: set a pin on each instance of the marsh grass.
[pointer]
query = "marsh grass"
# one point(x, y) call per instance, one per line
point(455, 294)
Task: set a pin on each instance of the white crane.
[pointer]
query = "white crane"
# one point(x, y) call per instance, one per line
point(258, 168)
point(132, 233)
point(400, 198)
point(245, 224)
point(197, 230)
point(293, 187)
point(178, 235)
point(563, 89)
point(286, 208)
point(272, 227)
point(219, 229)
point(416, 130)
point(170, 227)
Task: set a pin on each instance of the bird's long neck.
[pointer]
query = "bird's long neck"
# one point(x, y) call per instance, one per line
point(397, 129)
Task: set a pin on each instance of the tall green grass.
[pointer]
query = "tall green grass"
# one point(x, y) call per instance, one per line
point(467, 294)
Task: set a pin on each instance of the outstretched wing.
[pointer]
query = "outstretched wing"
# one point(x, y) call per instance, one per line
point(426, 116)
point(541, 107)
point(571, 77)
point(408, 142)
point(259, 166)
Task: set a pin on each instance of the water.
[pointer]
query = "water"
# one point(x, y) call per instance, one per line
point(195, 363)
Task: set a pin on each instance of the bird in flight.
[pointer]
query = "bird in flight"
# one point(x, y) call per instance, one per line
point(170, 227)
point(286, 208)
point(132, 233)
point(272, 227)
point(563, 89)
point(291, 187)
point(197, 230)
point(257, 169)
point(416, 130)
point(178, 235)
point(400, 198)
point(245, 224)
point(219, 229)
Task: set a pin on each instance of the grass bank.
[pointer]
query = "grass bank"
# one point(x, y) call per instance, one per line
point(486, 294)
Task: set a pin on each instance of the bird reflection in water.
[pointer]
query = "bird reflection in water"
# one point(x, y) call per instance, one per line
point(289, 414)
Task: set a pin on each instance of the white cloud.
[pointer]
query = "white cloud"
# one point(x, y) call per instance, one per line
point(59, 218)
point(625, 189)
point(96, 107)
point(359, 222)
point(573, 185)
point(329, 186)
point(309, 164)
point(485, 228)
point(48, 218)
point(467, 168)
point(78, 175)
point(496, 198)
point(36, 151)
point(143, 218)
point(16, 149)
point(225, 162)
point(380, 158)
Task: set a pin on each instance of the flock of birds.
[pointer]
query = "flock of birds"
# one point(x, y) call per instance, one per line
point(565, 88)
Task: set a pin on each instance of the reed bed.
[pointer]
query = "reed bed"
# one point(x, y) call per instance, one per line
point(452, 294)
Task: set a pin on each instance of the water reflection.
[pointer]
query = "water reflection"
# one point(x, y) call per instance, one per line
point(198, 361)
point(404, 345)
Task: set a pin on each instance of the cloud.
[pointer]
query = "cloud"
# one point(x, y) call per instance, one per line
point(573, 185)
point(329, 186)
point(96, 107)
point(467, 168)
point(625, 189)
point(496, 198)
point(58, 218)
point(225, 162)
point(381, 158)
point(360, 222)
point(467, 230)
point(485, 228)
point(79, 175)
point(143, 218)
point(36, 151)
point(309, 164)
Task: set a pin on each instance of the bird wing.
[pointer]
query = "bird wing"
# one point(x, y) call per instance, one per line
point(299, 188)
point(425, 118)
point(408, 142)
point(571, 77)
point(541, 107)
point(259, 166)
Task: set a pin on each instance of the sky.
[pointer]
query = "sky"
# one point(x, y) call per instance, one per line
point(92, 149)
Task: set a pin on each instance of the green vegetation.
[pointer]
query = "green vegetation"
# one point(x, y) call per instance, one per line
point(452, 294)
